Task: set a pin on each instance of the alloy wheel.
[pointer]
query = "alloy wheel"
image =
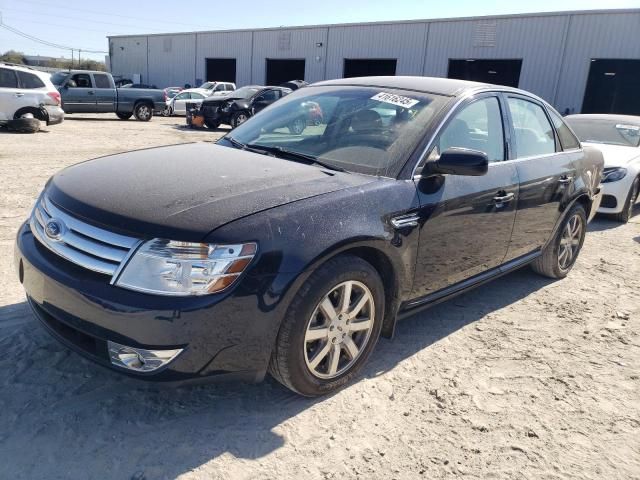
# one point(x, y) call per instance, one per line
point(240, 119)
point(144, 112)
point(570, 242)
point(339, 329)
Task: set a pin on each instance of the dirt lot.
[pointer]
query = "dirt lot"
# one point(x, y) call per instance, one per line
point(522, 378)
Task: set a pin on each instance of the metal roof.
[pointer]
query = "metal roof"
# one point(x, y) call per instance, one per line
point(398, 22)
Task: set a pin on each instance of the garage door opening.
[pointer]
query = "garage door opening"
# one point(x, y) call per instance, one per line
point(369, 67)
point(280, 71)
point(612, 87)
point(498, 72)
point(221, 70)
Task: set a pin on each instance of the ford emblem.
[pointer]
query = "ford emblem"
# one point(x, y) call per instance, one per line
point(54, 229)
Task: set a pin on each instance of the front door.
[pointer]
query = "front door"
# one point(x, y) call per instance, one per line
point(78, 94)
point(466, 222)
point(264, 100)
point(180, 103)
point(546, 175)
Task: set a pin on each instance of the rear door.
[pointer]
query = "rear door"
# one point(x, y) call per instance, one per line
point(180, 103)
point(105, 93)
point(546, 173)
point(78, 94)
point(466, 222)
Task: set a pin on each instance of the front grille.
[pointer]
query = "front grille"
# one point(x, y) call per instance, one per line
point(609, 201)
point(76, 241)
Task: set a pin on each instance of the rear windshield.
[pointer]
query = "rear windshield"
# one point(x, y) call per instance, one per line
point(610, 132)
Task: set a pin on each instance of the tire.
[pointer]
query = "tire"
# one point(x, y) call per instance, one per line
point(304, 363)
point(298, 125)
point(239, 118)
point(212, 125)
point(567, 242)
point(627, 209)
point(29, 112)
point(124, 116)
point(24, 125)
point(143, 112)
point(166, 112)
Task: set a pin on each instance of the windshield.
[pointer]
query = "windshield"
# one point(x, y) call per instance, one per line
point(611, 132)
point(59, 78)
point(244, 92)
point(208, 85)
point(360, 129)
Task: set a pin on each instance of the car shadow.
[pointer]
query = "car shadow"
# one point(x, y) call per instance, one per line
point(603, 222)
point(65, 416)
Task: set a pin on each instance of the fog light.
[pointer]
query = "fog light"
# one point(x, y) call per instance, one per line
point(139, 359)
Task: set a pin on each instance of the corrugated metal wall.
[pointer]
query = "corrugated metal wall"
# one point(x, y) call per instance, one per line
point(556, 49)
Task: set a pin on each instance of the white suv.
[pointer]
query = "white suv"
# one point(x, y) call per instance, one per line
point(27, 94)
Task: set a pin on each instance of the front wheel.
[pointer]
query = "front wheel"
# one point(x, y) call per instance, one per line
point(239, 118)
point(559, 256)
point(123, 115)
point(627, 208)
point(143, 112)
point(330, 328)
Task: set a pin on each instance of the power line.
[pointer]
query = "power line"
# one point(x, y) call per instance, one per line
point(109, 14)
point(45, 42)
point(68, 27)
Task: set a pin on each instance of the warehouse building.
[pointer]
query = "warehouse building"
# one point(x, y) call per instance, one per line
point(586, 61)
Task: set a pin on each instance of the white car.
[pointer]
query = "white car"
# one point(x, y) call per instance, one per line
point(218, 88)
point(27, 97)
point(178, 104)
point(618, 138)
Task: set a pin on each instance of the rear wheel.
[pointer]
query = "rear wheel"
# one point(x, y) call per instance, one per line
point(559, 256)
point(627, 209)
point(239, 118)
point(124, 116)
point(143, 112)
point(331, 327)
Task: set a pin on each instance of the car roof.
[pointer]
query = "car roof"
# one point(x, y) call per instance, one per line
point(26, 68)
point(441, 86)
point(633, 119)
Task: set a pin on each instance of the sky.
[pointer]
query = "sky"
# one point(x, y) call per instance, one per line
point(84, 24)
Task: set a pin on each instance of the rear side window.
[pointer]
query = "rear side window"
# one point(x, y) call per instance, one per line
point(8, 78)
point(534, 134)
point(567, 139)
point(29, 80)
point(102, 80)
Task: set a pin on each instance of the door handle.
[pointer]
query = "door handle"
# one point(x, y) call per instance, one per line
point(90, 92)
point(18, 95)
point(503, 198)
point(565, 180)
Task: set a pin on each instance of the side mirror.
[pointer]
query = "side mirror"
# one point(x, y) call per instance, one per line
point(459, 161)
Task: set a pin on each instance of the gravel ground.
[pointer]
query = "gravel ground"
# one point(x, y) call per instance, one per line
point(521, 378)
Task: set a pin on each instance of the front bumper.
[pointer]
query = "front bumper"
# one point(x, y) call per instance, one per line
point(615, 194)
point(55, 114)
point(223, 335)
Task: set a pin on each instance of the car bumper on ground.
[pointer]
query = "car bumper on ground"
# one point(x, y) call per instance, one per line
point(221, 336)
point(55, 114)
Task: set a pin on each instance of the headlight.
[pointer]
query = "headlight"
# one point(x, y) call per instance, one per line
point(613, 174)
point(167, 267)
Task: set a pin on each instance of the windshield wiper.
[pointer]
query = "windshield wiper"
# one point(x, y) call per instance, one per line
point(238, 144)
point(309, 159)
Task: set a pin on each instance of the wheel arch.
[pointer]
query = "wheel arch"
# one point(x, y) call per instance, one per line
point(38, 113)
point(581, 198)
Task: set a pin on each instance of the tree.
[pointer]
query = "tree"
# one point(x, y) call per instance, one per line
point(11, 56)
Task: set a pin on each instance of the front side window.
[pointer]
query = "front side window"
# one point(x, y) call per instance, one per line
point(8, 78)
point(270, 96)
point(369, 130)
point(183, 96)
point(477, 126)
point(102, 80)
point(567, 139)
point(533, 132)
point(29, 80)
point(80, 80)
point(197, 96)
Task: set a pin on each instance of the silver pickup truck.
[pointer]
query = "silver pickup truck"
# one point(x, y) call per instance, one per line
point(84, 91)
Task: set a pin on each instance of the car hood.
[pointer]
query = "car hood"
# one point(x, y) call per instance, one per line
point(183, 192)
point(616, 155)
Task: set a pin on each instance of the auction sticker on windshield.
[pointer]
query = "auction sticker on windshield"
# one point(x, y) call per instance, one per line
point(394, 99)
